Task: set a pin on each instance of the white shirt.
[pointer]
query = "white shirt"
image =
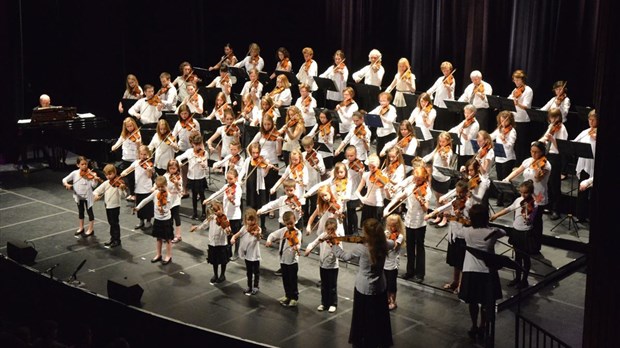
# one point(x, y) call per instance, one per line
point(300, 183)
point(439, 161)
point(388, 118)
point(540, 187)
point(249, 246)
point(586, 164)
point(280, 204)
point(307, 112)
point(248, 88)
point(195, 107)
point(327, 139)
point(285, 97)
point(354, 140)
point(409, 150)
point(415, 212)
point(327, 258)
point(474, 237)
point(314, 173)
point(371, 76)
point(393, 257)
point(226, 139)
point(161, 212)
point(144, 183)
point(564, 107)
point(340, 80)
point(526, 100)
point(183, 134)
point(519, 222)
point(174, 190)
point(161, 151)
point(354, 177)
point(468, 96)
point(267, 148)
point(217, 235)
point(508, 142)
point(374, 193)
point(145, 112)
point(307, 77)
point(248, 65)
point(197, 166)
point(289, 256)
point(225, 162)
point(232, 208)
point(169, 99)
point(346, 113)
point(561, 134)
point(112, 196)
point(417, 119)
point(259, 172)
point(129, 149)
point(441, 93)
point(466, 148)
point(82, 187)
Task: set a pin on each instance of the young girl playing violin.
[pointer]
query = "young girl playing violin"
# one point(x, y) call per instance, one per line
point(355, 169)
point(560, 100)
point(192, 99)
point(148, 109)
point(504, 134)
point(163, 146)
point(306, 104)
point(444, 87)
point(308, 69)
point(325, 134)
point(406, 141)
point(249, 237)
point(394, 230)
point(219, 229)
point(328, 265)
point(218, 109)
point(394, 170)
point(132, 91)
point(387, 112)
point(298, 172)
point(182, 130)
point(130, 140)
point(143, 174)
point(268, 138)
point(345, 111)
point(175, 189)
point(281, 93)
point(374, 180)
point(228, 133)
point(159, 204)
point(485, 154)
point(359, 137)
point(284, 62)
point(253, 60)
point(313, 160)
point(230, 196)
point(416, 198)
point(328, 206)
point(404, 82)
point(339, 73)
point(441, 156)
point(253, 87)
point(197, 163)
point(467, 130)
point(253, 174)
point(268, 108)
point(83, 181)
point(251, 111)
point(424, 116)
point(522, 239)
point(556, 130)
point(292, 130)
point(290, 243)
point(182, 81)
point(112, 190)
point(225, 82)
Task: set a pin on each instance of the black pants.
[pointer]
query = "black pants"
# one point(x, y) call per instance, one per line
point(352, 221)
point(252, 270)
point(390, 279)
point(537, 230)
point(416, 255)
point(235, 226)
point(82, 203)
point(329, 286)
point(309, 208)
point(113, 219)
point(198, 193)
point(289, 280)
point(555, 181)
point(370, 212)
point(174, 211)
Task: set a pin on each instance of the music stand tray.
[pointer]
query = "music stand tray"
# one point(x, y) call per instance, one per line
point(537, 115)
point(450, 172)
point(501, 103)
point(325, 84)
point(373, 120)
point(583, 112)
point(239, 73)
point(127, 104)
point(418, 133)
point(411, 100)
point(455, 106)
point(506, 188)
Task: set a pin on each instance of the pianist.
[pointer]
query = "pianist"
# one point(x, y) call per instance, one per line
point(44, 102)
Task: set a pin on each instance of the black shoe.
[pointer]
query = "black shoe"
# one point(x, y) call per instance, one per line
point(165, 262)
point(522, 284)
point(472, 332)
point(418, 279)
point(221, 279)
point(108, 243)
point(407, 276)
point(112, 244)
point(213, 280)
point(78, 232)
point(513, 282)
point(554, 216)
point(139, 226)
point(156, 259)
point(278, 272)
point(92, 233)
point(194, 217)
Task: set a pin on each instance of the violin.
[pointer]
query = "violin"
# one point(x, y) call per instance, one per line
point(479, 88)
point(225, 78)
point(518, 92)
point(468, 122)
point(231, 190)
point(406, 75)
point(276, 91)
point(259, 162)
point(163, 90)
point(404, 142)
point(234, 160)
point(349, 239)
point(428, 109)
point(384, 110)
point(199, 152)
point(191, 77)
point(341, 185)
point(272, 136)
point(307, 101)
point(392, 167)
point(136, 91)
point(254, 60)
point(483, 151)
point(297, 171)
point(117, 182)
point(135, 136)
point(592, 132)
point(458, 205)
point(340, 66)
point(254, 230)
point(174, 178)
point(356, 165)
point(539, 166)
point(284, 64)
point(294, 203)
point(307, 64)
point(393, 235)
point(222, 221)
point(474, 182)
point(444, 151)
point(448, 80)
point(555, 127)
point(292, 238)
point(90, 175)
point(527, 206)
point(154, 100)
point(360, 132)
point(420, 193)
point(187, 124)
point(146, 164)
point(292, 123)
point(506, 130)
point(248, 108)
point(311, 158)
point(378, 178)
point(168, 139)
point(162, 199)
point(232, 129)
point(459, 218)
point(325, 129)
point(346, 103)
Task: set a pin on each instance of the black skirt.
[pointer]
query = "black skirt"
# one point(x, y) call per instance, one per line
point(162, 229)
point(481, 288)
point(218, 255)
point(370, 324)
point(456, 253)
point(441, 187)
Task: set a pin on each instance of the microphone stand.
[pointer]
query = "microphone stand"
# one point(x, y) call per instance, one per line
point(73, 279)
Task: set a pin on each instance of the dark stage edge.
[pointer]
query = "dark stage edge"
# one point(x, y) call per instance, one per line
point(38, 209)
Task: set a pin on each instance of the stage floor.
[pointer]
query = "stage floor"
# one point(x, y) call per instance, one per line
point(37, 208)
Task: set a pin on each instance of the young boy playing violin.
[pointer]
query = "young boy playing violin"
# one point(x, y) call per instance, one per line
point(113, 191)
point(290, 243)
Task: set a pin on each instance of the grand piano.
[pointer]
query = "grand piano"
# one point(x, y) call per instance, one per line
point(54, 131)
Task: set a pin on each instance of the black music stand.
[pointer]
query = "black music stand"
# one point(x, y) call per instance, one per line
point(455, 106)
point(570, 148)
point(536, 115)
point(264, 78)
point(501, 103)
point(127, 104)
point(583, 112)
point(322, 147)
point(325, 85)
point(170, 117)
point(209, 96)
point(411, 99)
point(452, 173)
point(367, 94)
point(289, 75)
point(208, 126)
point(455, 137)
point(505, 188)
point(373, 120)
point(240, 74)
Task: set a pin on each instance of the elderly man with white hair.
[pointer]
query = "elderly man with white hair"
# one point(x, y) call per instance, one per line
point(372, 74)
point(476, 94)
point(44, 102)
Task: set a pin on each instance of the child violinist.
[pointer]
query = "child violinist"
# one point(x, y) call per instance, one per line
point(355, 169)
point(292, 130)
point(504, 134)
point(313, 160)
point(298, 172)
point(83, 181)
point(224, 82)
point(387, 112)
point(148, 109)
point(182, 81)
point(307, 104)
point(132, 91)
point(218, 109)
point(467, 130)
point(394, 170)
point(167, 93)
point(268, 108)
point(143, 174)
point(325, 132)
point(130, 140)
point(395, 230)
point(192, 99)
point(328, 266)
point(197, 163)
point(113, 191)
point(560, 100)
point(339, 73)
point(231, 194)
point(290, 243)
point(524, 208)
point(253, 61)
point(219, 229)
point(345, 111)
point(556, 130)
point(358, 136)
point(233, 160)
point(374, 180)
point(328, 206)
point(281, 93)
point(406, 141)
point(338, 181)
point(162, 229)
point(287, 202)
point(441, 156)
point(250, 111)
point(444, 87)
point(485, 155)
point(308, 69)
point(175, 188)
point(268, 139)
point(228, 133)
point(253, 174)
point(424, 116)
point(416, 198)
point(163, 146)
point(182, 130)
point(249, 237)
point(284, 62)
point(253, 88)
